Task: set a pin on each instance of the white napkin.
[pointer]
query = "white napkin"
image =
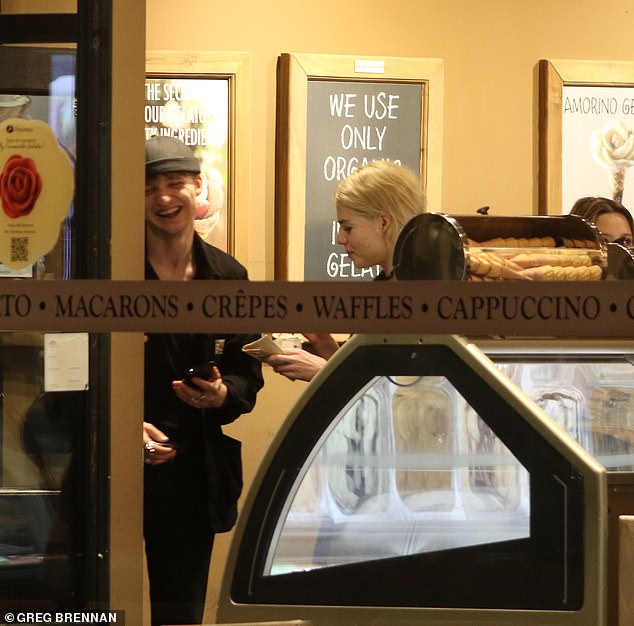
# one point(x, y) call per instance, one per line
point(262, 347)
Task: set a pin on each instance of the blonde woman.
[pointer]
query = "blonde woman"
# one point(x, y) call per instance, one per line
point(373, 204)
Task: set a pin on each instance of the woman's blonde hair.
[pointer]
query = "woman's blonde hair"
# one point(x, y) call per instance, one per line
point(383, 186)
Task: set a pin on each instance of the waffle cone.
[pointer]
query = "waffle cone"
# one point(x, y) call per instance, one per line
point(617, 183)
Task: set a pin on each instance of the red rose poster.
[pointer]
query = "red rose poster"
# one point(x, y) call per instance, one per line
point(36, 189)
point(20, 186)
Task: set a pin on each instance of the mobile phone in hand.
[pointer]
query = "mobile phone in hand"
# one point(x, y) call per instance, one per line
point(203, 371)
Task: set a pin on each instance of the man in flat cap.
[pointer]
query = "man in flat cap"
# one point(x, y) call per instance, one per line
point(192, 470)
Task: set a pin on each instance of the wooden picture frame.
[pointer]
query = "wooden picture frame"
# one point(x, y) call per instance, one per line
point(555, 196)
point(376, 80)
point(232, 67)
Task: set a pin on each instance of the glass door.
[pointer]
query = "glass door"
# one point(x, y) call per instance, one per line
point(54, 409)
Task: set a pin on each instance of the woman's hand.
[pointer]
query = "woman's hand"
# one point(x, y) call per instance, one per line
point(296, 364)
point(207, 394)
point(156, 446)
point(324, 344)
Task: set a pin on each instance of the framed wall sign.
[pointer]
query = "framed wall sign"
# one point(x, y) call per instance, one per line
point(201, 98)
point(336, 113)
point(586, 132)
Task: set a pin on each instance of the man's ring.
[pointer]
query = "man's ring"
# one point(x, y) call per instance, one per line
point(200, 398)
point(149, 448)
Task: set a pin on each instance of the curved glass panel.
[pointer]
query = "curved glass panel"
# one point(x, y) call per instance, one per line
point(411, 478)
point(407, 467)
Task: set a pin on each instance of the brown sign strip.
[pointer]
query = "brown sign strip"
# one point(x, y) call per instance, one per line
point(584, 309)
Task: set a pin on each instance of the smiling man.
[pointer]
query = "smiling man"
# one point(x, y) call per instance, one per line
point(192, 470)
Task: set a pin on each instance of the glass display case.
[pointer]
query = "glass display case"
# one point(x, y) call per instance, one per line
point(437, 246)
point(414, 482)
point(587, 388)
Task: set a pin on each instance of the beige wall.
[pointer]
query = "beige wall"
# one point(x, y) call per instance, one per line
point(126, 400)
point(256, 431)
point(490, 48)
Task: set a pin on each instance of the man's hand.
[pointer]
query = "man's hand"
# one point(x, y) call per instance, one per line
point(207, 394)
point(157, 448)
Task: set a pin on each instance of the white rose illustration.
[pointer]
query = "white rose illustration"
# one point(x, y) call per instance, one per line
point(612, 147)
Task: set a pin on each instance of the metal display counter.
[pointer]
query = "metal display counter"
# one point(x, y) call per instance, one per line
point(431, 480)
point(437, 246)
point(587, 387)
point(620, 262)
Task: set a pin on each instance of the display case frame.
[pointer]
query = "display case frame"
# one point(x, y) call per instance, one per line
point(357, 591)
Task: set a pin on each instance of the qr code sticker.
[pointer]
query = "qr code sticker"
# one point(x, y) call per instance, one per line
point(19, 249)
